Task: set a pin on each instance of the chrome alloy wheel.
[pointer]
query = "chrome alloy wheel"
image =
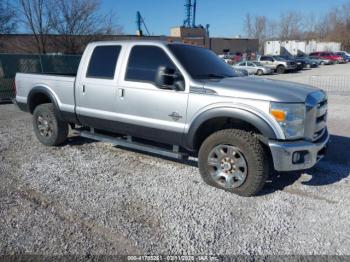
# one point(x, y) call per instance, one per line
point(227, 166)
point(45, 125)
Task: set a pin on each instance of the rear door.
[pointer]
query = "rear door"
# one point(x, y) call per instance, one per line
point(267, 61)
point(96, 86)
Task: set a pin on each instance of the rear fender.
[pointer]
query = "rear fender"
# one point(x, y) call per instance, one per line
point(49, 94)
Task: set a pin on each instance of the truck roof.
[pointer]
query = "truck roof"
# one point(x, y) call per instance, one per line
point(142, 42)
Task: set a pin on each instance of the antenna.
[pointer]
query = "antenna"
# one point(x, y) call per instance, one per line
point(194, 13)
point(188, 8)
point(140, 21)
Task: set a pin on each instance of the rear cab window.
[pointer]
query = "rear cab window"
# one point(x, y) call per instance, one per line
point(103, 62)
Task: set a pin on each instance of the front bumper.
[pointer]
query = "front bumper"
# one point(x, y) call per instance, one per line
point(291, 67)
point(284, 153)
point(268, 71)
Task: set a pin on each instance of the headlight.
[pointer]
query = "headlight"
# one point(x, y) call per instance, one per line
point(291, 118)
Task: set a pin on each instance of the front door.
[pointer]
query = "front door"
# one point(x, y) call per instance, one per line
point(153, 113)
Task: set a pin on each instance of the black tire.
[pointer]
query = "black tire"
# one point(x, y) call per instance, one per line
point(259, 72)
point(55, 131)
point(252, 151)
point(280, 69)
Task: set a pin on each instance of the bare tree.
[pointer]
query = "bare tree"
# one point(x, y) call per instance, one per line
point(36, 16)
point(255, 27)
point(290, 26)
point(333, 26)
point(272, 30)
point(7, 18)
point(81, 18)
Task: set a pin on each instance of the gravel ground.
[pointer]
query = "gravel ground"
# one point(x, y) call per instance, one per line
point(91, 198)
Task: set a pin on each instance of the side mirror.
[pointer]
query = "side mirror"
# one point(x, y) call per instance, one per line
point(167, 78)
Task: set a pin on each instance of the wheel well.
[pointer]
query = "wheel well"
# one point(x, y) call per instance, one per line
point(213, 125)
point(38, 99)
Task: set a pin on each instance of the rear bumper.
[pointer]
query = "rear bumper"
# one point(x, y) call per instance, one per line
point(22, 106)
point(285, 154)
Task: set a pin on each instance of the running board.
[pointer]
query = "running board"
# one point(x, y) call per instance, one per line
point(129, 143)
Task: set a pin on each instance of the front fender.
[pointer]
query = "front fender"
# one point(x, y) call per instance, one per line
point(229, 112)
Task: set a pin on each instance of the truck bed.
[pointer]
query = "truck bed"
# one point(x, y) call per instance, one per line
point(62, 86)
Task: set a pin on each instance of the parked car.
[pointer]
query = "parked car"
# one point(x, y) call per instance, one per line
point(344, 55)
point(279, 64)
point(309, 63)
point(306, 61)
point(321, 61)
point(144, 94)
point(254, 68)
point(328, 55)
point(300, 64)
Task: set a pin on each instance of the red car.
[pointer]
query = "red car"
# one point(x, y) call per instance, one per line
point(328, 55)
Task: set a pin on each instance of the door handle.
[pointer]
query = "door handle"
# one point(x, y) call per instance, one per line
point(83, 88)
point(121, 92)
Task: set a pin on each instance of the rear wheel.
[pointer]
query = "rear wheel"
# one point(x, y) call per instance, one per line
point(48, 128)
point(281, 69)
point(259, 72)
point(235, 161)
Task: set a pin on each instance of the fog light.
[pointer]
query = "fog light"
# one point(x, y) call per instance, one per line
point(300, 157)
point(296, 157)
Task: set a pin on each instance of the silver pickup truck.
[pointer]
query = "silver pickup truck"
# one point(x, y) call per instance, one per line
point(181, 101)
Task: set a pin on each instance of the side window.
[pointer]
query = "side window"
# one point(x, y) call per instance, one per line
point(144, 62)
point(266, 58)
point(103, 62)
point(250, 64)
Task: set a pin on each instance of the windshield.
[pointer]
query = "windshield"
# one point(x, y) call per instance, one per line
point(201, 63)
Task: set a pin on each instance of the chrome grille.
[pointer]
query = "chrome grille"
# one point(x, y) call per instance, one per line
point(321, 120)
point(316, 115)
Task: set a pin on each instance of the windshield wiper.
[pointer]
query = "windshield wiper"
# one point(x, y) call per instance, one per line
point(212, 76)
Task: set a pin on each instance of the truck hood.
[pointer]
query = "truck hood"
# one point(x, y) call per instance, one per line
point(260, 89)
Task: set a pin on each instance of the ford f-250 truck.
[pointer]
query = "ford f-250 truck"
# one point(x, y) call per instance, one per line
point(180, 100)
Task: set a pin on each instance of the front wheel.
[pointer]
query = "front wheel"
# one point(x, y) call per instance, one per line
point(48, 128)
point(235, 161)
point(281, 69)
point(259, 72)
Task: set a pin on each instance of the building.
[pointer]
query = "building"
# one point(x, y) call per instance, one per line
point(184, 32)
point(296, 47)
point(58, 44)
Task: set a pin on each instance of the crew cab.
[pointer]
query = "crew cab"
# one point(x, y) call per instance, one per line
point(181, 101)
point(277, 63)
